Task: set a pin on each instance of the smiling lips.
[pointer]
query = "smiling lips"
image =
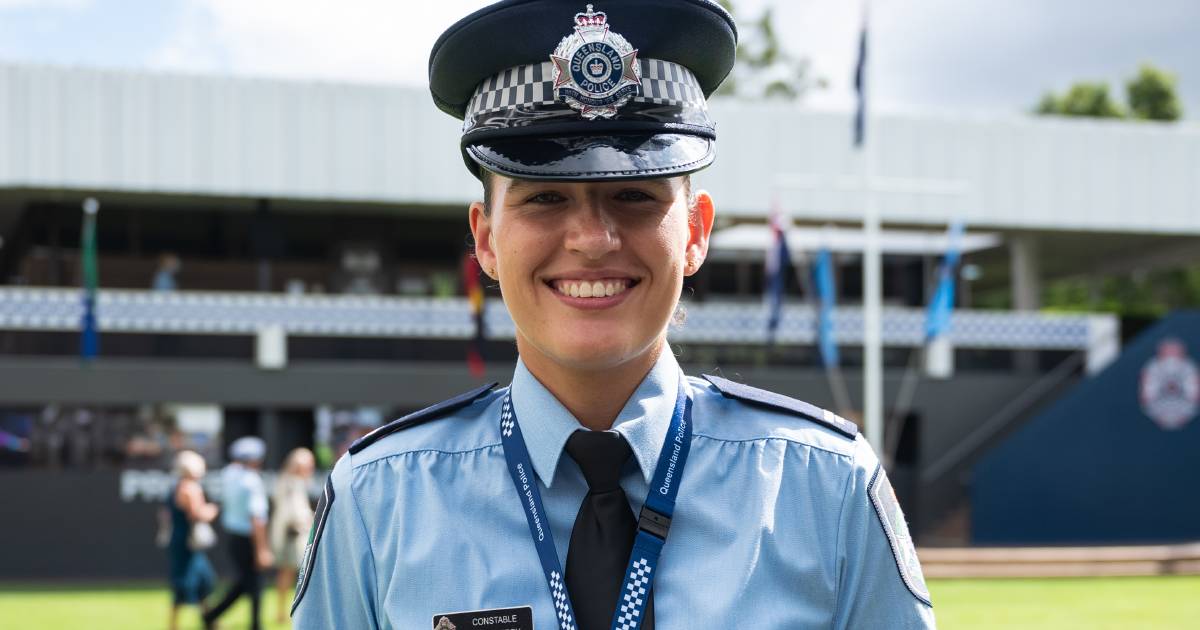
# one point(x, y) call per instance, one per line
point(591, 288)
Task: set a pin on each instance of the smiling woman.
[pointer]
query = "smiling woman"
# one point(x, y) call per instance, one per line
point(584, 124)
point(591, 273)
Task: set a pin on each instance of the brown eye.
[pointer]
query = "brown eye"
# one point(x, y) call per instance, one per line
point(545, 198)
point(633, 196)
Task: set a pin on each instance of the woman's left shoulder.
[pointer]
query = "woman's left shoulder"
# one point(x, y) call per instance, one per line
point(734, 411)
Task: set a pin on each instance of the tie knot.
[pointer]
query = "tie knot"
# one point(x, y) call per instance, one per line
point(600, 455)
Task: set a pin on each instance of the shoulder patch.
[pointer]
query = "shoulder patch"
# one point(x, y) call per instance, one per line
point(891, 517)
point(314, 539)
point(419, 417)
point(779, 402)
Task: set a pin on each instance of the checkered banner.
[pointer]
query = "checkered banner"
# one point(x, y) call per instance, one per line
point(714, 321)
point(663, 83)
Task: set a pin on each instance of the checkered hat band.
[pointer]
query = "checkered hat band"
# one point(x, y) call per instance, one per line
point(663, 83)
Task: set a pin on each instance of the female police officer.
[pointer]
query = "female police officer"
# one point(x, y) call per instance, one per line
point(510, 507)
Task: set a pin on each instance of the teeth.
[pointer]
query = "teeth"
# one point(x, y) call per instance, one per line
point(594, 289)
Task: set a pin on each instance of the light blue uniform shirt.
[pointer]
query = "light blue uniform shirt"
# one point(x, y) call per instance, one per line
point(243, 498)
point(774, 526)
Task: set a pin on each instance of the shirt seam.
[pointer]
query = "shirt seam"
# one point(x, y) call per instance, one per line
point(838, 546)
point(775, 437)
point(362, 524)
point(427, 450)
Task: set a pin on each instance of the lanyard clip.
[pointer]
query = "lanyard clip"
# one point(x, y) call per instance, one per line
point(654, 523)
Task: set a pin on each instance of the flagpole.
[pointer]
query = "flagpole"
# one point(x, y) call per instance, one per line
point(872, 312)
point(89, 337)
point(872, 267)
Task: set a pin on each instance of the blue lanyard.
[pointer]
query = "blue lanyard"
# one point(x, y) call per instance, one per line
point(653, 524)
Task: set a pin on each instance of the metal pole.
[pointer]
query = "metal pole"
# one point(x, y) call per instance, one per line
point(872, 271)
point(872, 305)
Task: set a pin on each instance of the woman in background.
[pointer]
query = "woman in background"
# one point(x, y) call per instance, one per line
point(290, 522)
point(191, 576)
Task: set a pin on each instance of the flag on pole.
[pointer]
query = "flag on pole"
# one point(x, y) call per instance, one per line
point(777, 263)
point(89, 339)
point(860, 84)
point(826, 300)
point(937, 321)
point(474, 291)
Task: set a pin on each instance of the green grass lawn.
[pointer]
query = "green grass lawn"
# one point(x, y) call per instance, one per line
point(114, 607)
point(1060, 604)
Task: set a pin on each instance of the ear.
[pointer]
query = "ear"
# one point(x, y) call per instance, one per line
point(481, 233)
point(700, 223)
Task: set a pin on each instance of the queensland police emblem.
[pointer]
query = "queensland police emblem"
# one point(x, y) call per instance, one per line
point(596, 71)
point(1170, 386)
point(891, 517)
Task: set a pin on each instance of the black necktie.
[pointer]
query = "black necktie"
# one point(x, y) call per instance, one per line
point(605, 527)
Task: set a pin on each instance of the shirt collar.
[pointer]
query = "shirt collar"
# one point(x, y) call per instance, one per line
point(546, 423)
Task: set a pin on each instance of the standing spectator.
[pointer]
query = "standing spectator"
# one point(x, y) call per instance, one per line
point(191, 574)
point(244, 517)
point(290, 522)
point(164, 276)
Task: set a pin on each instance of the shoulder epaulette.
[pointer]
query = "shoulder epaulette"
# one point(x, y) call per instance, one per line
point(420, 417)
point(779, 402)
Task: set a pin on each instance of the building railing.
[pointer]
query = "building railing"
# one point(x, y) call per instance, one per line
point(716, 322)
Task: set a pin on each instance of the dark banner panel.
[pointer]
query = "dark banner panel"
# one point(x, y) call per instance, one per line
point(78, 525)
point(89, 525)
point(1113, 461)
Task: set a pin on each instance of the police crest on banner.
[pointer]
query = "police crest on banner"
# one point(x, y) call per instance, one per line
point(1170, 386)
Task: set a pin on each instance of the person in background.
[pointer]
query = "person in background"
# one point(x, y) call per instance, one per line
point(191, 574)
point(244, 517)
point(290, 521)
point(164, 275)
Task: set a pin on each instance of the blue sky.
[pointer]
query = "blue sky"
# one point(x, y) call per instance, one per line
point(108, 33)
point(967, 56)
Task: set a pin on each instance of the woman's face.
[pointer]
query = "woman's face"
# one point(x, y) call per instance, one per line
point(591, 271)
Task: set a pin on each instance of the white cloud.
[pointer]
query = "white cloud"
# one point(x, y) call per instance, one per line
point(389, 41)
point(355, 40)
point(944, 54)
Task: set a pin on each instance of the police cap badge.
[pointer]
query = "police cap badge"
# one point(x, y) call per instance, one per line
point(595, 69)
point(549, 89)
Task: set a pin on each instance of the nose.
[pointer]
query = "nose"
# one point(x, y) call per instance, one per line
point(592, 232)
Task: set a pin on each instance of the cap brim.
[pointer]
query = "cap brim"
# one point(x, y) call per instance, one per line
point(590, 158)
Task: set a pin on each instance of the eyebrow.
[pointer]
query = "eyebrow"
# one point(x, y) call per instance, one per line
point(524, 184)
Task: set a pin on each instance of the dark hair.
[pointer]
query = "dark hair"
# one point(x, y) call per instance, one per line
point(486, 178)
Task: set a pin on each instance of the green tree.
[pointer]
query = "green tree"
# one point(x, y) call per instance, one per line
point(1149, 294)
point(1085, 98)
point(1152, 96)
point(764, 68)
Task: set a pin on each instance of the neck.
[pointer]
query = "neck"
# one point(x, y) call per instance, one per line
point(594, 396)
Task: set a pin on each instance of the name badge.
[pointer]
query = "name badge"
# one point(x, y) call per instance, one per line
point(520, 618)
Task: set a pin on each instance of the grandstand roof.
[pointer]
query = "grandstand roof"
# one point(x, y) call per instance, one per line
point(139, 132)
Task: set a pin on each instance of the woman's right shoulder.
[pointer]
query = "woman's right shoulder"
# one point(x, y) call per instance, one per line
point(457, 424)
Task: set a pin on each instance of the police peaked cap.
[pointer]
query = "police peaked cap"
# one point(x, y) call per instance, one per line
point(625, 97)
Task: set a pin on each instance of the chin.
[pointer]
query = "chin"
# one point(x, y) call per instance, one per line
point(593, 356)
